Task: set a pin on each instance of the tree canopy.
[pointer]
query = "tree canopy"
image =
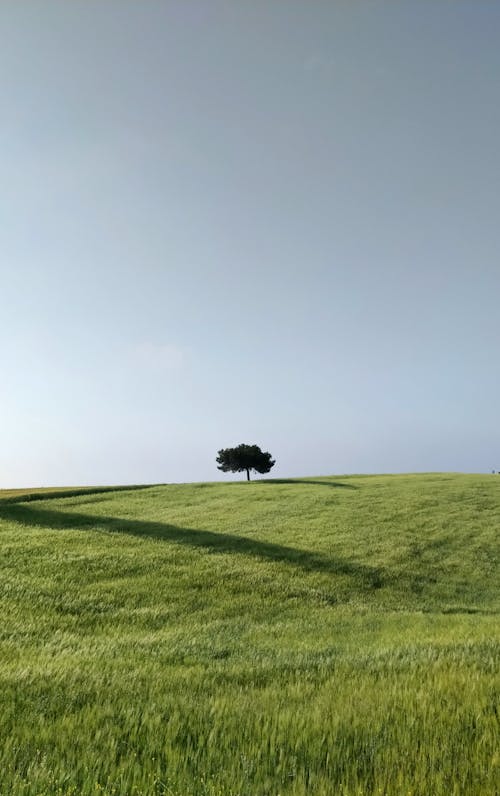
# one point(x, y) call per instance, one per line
point(244, 458)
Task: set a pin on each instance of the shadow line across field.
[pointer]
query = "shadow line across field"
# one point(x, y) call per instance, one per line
point(368, 577)
point(27, 496)
point(31, 516)
point(306, 482)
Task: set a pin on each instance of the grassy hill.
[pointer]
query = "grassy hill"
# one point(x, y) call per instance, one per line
point(327, 636)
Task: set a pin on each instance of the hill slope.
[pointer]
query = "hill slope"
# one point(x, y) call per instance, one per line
point(329, 635)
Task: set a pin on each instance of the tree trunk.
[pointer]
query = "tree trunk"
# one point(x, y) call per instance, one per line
point(248, 474)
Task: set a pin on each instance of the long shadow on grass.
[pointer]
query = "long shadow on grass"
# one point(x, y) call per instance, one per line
point(331, 484)
point(191, 537)
point(22, 496)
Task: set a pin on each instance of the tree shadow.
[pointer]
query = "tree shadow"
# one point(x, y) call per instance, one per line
point(331, 484)
point(211, 541)
point(25, 496)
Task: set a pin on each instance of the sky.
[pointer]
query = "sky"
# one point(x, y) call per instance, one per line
point(271, 223)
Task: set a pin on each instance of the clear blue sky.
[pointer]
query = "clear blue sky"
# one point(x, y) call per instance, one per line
point(224, 222)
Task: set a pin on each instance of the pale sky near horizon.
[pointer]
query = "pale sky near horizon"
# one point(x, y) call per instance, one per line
point(273, 223)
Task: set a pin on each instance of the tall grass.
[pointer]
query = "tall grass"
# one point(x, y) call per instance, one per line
point(317, 636)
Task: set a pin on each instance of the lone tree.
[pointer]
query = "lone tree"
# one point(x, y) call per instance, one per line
point(244, 457)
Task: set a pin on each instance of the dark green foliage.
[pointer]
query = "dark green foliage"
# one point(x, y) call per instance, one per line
point(244, 458)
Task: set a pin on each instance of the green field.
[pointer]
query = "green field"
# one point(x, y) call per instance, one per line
point(327, 636)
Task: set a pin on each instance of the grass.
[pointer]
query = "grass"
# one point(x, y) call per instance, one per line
point(312, 636)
